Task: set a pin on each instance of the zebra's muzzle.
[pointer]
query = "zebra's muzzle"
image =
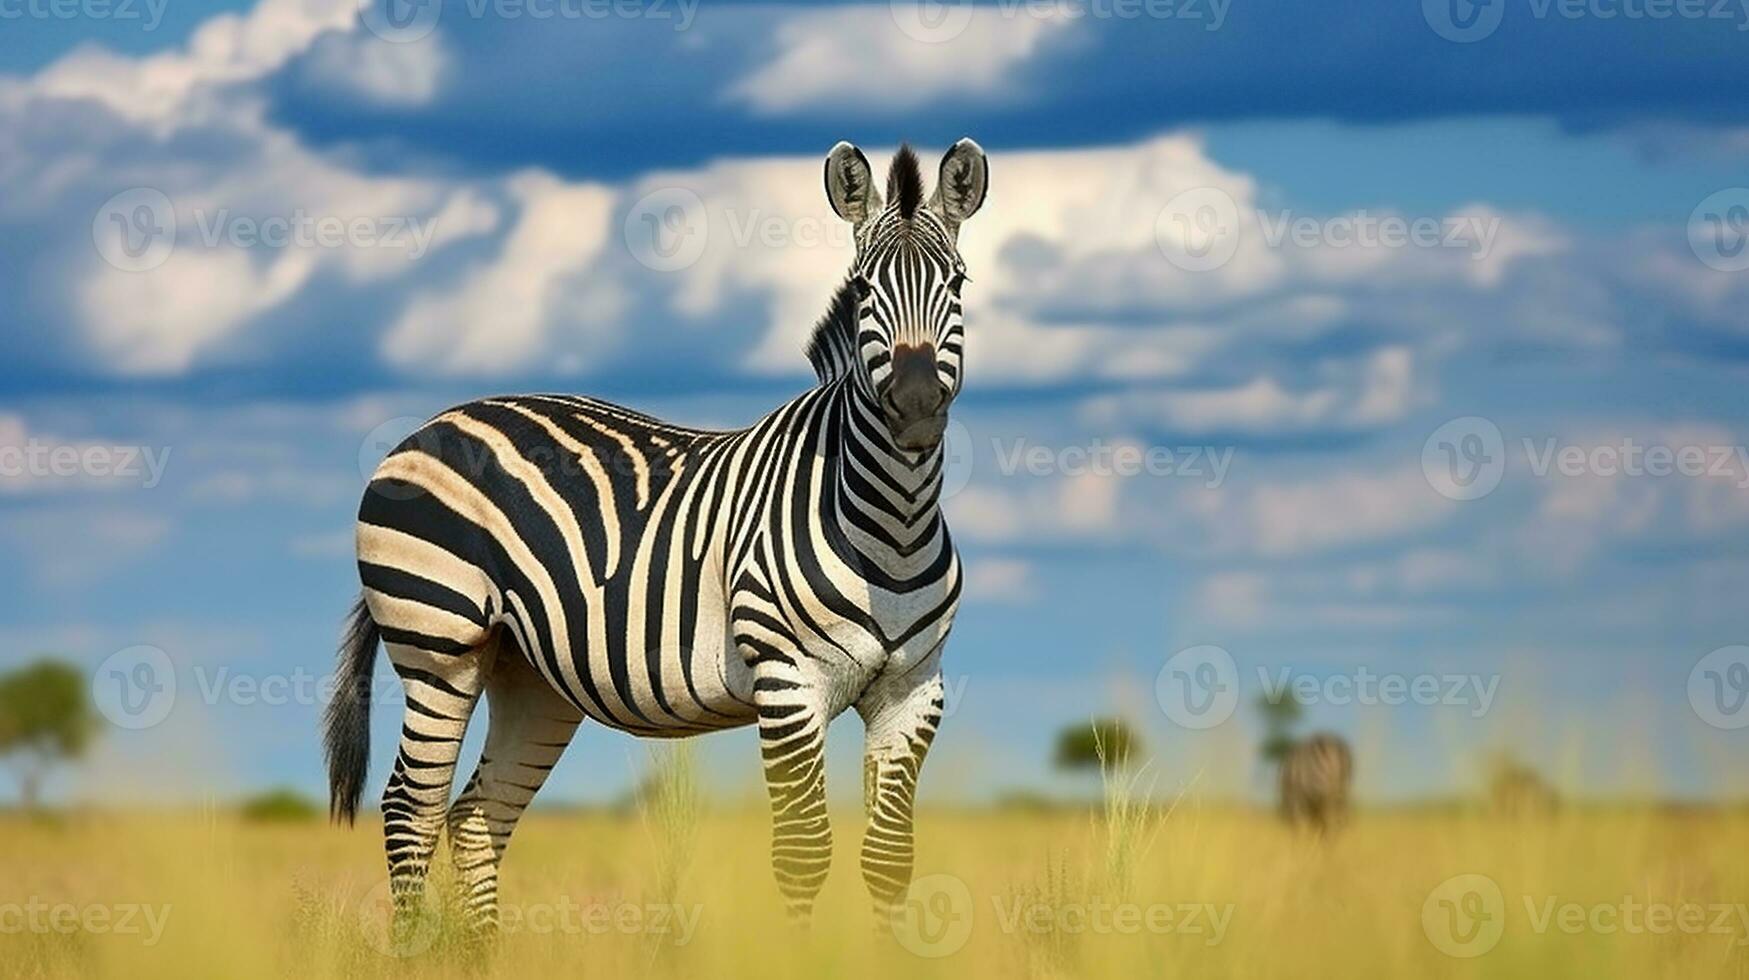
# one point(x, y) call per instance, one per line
point(916, 401)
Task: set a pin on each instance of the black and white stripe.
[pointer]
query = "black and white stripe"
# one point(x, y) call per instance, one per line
point(571, 559)
point(1315, 777)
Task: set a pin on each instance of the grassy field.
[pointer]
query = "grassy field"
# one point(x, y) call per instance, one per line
point(1204, 892)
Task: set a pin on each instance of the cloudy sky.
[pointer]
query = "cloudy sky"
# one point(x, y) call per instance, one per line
point(1409, 343)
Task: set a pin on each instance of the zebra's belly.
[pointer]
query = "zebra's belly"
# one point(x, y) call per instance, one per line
point(645, 678)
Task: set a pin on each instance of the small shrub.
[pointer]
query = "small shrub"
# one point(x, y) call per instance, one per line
point(280, 805)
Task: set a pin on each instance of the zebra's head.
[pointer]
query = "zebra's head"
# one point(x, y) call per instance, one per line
point(907, 280)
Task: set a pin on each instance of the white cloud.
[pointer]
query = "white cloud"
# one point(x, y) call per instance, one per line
point(1580, 513)
point(1069, 281)
point(159, 323)
point(498, 319)
point(383, 72)
point(1379, 392)
point(1084, 507)
point(217, 279)
point(859, 56)
point(226, 48)
point(1366, 595)
point(1340, 509)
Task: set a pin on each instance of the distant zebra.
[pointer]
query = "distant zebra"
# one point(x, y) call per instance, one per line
point(572, 559)
point(1315, 776)
point(1519, 791)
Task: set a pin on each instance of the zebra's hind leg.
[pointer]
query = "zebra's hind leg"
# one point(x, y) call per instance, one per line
point(441, 689)
point(901, 715)
point(530, 725)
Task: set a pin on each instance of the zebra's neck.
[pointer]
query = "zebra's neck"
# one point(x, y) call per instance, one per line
point(887, 499)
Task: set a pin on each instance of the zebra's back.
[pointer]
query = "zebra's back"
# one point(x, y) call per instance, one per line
point(1315, 778)
point(596, 536)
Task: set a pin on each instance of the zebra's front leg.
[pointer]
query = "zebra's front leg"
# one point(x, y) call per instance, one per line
point(901, 714)
point(792, 741)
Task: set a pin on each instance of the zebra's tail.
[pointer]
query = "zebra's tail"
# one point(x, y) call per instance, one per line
point(346, 722)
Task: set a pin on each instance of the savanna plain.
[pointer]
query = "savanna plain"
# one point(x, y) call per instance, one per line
point(1119, 890)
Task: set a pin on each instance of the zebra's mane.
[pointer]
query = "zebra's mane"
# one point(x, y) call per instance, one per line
point(832, 348)
point(905, 181)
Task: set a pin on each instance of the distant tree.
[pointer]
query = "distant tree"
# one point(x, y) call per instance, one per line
point(1108, 740)
point(280, 805)
point(1281, 712)
point(45, 719)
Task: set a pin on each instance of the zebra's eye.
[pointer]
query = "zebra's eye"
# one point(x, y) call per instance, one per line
point(959, 279)
point(864, 288)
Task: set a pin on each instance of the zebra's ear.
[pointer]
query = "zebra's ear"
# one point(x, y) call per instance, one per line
point(962, 184)
point(850, 184)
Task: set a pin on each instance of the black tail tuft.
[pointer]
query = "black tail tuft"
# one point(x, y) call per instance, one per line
point(346, 723)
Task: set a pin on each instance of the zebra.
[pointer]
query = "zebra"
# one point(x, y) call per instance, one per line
point(1518, 791)
point(573, 559)
point(1315, 774)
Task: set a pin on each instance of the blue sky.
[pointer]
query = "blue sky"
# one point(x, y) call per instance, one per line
point(487, 188)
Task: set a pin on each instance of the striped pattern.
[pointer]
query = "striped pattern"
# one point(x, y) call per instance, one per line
point(910, 283)
point(1315, 776)
point(572, 559)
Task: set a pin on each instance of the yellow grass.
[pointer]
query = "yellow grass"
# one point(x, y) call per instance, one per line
point(1029, 895)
